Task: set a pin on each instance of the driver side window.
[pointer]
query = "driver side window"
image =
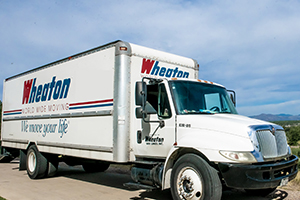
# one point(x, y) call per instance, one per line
point(164, 110)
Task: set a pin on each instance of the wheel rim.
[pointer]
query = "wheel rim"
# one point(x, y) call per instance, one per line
point(189, 184)
point(31, 162)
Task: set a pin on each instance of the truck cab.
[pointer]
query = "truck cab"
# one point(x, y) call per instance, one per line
point(194, 127)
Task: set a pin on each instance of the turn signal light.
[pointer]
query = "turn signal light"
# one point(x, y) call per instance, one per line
point(123, 48)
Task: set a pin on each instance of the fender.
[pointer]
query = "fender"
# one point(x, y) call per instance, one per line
point(173, 155)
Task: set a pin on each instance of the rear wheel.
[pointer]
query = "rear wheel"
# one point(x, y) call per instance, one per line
point(37, 164)
point(192, 179)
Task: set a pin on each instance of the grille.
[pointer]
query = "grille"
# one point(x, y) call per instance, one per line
point(272, 146)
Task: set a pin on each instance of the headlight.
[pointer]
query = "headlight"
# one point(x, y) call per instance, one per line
point(245, 157)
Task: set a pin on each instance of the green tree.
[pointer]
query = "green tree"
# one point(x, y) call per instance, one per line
point(293, 134)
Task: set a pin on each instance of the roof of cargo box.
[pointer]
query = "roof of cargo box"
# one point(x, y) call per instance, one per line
point(84, 53)
point(146, 52)
point(135, 50)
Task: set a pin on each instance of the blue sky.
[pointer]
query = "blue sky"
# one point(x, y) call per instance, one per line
point(252, 47)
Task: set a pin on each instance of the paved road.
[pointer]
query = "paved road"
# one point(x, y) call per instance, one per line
point(74, 183)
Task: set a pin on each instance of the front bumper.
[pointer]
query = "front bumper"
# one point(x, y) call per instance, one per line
point(258, 176)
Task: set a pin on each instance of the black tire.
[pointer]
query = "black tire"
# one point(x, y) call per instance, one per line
point(95, 167)
point(261, 192)
point(193, 178)
point(37, 164)
point(23, 159)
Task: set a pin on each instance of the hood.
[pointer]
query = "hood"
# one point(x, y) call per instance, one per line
point(226, 123)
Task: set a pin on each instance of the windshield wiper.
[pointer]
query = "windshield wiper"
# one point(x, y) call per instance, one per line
point(207, 111)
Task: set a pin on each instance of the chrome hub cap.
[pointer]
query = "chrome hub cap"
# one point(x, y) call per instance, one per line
point(31, 162)
point(189, 184)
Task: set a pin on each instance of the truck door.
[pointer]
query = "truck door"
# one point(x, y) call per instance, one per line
point(156, 133)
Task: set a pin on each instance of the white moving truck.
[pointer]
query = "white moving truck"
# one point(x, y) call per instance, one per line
point(127, 104)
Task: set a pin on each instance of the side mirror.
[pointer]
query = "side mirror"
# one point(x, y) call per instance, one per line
point(232, 97)
point(139, 112)
point(140, 92)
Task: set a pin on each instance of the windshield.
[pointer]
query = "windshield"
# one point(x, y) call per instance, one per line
point(195, 97)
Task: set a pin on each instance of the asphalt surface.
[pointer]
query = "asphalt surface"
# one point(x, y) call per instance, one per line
point(74, 183)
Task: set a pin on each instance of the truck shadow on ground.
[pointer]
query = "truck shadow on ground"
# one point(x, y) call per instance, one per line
point(107, 178)
point(115, 177)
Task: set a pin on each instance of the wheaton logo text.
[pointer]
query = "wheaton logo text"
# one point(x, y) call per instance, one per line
point(151, 67)
point(56, 89)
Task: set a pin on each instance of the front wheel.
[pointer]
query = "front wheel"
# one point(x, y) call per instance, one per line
point(192, 179)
